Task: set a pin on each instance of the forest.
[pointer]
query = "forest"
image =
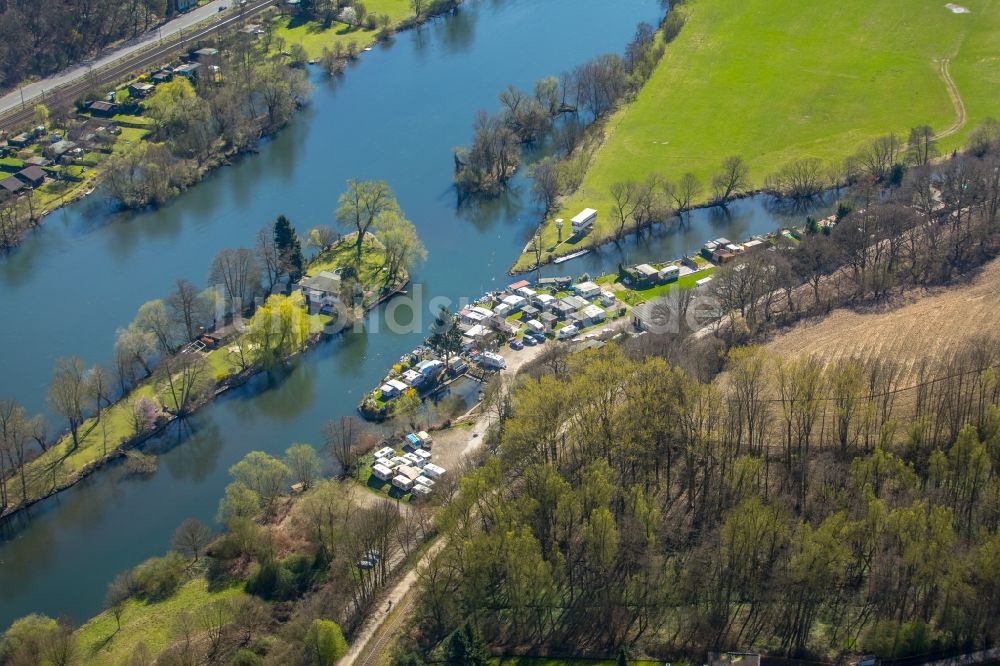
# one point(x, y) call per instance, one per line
point(40, 37)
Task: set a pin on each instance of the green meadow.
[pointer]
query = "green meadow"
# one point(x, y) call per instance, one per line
point(777, 80)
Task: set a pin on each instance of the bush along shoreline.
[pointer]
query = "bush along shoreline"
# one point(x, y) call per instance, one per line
point(171, 360)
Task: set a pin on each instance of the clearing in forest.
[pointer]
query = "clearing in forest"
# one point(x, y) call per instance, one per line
point(926, 328)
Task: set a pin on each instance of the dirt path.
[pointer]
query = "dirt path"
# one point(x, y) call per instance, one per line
point(381, 629)
point(956, 99)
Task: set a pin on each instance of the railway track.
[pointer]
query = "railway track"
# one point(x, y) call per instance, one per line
point(61, 99)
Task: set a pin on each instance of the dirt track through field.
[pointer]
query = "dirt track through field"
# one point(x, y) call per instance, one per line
point(927, 327)
point(956, 98)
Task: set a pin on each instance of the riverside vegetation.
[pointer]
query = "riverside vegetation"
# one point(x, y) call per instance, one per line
point(157, 376)
point(794, 106)
point(686, 493)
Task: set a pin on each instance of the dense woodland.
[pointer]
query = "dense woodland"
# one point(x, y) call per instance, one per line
point(40, 37)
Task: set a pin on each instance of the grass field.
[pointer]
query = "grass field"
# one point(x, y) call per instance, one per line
point(775, 80)
point(314, 38)
point(151, 623)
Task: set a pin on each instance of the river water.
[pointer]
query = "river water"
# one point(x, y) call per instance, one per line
point(396, 115)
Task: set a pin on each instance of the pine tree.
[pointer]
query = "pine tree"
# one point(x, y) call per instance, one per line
point(289, 248)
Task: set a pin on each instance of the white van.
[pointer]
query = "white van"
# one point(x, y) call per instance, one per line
point(567, 332)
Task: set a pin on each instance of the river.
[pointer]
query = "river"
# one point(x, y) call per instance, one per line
point(396, 115)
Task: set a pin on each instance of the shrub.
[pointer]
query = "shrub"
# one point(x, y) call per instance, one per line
point(272, 581)
point(159, 577)
point(245, 657)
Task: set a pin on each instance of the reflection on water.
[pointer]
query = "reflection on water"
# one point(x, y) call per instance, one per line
point(105, 265)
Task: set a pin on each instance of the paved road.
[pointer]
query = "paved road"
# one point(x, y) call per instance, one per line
point(165, 31)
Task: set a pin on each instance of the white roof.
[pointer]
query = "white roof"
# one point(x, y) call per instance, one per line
point(671, 269)
point(527, 292)
point(477, 331)
point(514, 301)
point(486, 312)
point(592, 311)
point(382, 470)
point(545, 298)
point(584, 215)
point(586, 286)
point(646, 269)
point(434, 470)
point(704, 281)
point(398, 385)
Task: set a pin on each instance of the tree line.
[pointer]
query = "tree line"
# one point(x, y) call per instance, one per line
point(41, 37)
point(558, 108)
point(249, 289)
point(935, 222)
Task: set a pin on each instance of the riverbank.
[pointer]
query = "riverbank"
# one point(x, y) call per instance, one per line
point(68, 181)
point(90, 250)
point(717, 58)
point(145, 411)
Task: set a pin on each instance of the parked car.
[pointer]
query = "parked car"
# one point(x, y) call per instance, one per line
point(516, 345)
point(537, 337)
point(529, 340)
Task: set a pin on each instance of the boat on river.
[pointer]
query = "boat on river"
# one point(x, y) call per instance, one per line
point(567, 257)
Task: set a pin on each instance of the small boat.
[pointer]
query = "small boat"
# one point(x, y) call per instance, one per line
point(570, 256)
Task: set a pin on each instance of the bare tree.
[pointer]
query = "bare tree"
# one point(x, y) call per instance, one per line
point(731, 179)
point(188, 308)
point(184, 377)
point(684, 192)
point(626, 196)
point(153, 317)
point(269, 255)
point(68, 393)
point(362, 204)
point(191, 538)
point(239, 274)
point(344, 438)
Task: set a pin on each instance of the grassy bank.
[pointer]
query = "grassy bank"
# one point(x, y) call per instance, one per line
point(314, 37)
point(777, 80)
point(101, 440)
point(151, 623)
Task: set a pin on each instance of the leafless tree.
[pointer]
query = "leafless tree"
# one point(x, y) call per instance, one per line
point(731, 179)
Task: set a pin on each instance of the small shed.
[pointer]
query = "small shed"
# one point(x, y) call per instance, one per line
point(562, 309)
point(520, 284)
point(102, 108)
point(576, 302)
point(32, 176)
point(11, 185)
point(593, 314)
point(548, 320)
point(141, 90)
point(647, 273)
